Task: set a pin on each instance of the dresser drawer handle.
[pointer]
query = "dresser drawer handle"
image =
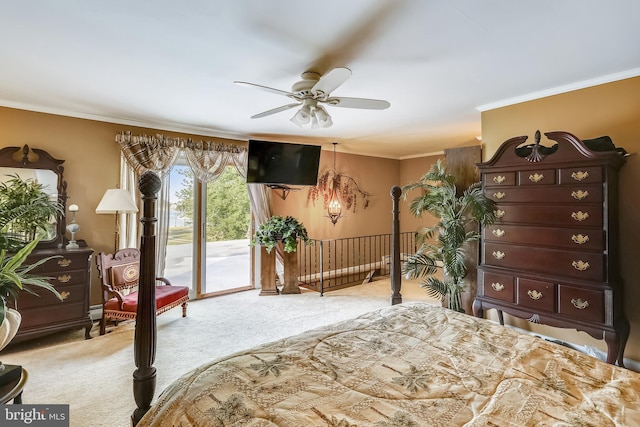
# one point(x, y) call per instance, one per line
point(579, 195)
point(580, 265)
point(579, 216)
point(580, 175)
point(536, 177)
point(499, 179)
point(498, 254)
point(498, 232)
point(64, 262)
point(497, 286)
point(533, 294)
point(499, 213)
point(499, 195)
point(64, 295)
point(64, 278)
point(579, 304)
point(580, 239)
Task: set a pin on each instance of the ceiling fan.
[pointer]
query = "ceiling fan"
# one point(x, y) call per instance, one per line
point(315, 89)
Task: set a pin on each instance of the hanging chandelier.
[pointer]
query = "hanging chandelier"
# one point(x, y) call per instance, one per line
point(334, 209)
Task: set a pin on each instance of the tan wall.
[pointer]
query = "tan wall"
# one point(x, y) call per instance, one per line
point(374, 175)
point(612, 109)
point(92, 164)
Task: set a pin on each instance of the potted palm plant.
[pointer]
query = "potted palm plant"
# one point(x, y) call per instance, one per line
point(444, 245)
point(21, 227)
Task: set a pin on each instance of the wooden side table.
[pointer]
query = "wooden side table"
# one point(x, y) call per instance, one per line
point(13, 390)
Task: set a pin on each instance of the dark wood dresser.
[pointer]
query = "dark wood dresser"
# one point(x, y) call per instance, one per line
point(70, 273)
point(552, 255)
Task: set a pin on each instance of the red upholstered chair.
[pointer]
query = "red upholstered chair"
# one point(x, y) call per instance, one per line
point(119, 274)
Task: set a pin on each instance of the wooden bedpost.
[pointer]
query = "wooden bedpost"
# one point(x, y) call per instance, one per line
point(396, 277)
point(144, 377)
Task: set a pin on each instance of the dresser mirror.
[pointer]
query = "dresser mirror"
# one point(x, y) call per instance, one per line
point(40, 166)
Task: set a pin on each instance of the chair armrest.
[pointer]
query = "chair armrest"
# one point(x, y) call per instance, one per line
point(164, 280)
point(108, 290)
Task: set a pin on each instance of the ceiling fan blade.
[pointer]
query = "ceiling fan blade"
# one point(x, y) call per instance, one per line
point(267, 88)
point(331, 80)
point(365, 103)
point(275, 110)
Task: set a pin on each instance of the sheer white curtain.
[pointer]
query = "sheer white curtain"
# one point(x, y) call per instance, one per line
point(129, 224)
point(262, 209)
point(206, 159)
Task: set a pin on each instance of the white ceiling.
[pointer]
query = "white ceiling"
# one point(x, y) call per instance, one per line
point(170, 64)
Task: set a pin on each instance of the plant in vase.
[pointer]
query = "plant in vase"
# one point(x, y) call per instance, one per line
point(457, 226)
point(278, 228)
point(289, 231)
point(28, 218)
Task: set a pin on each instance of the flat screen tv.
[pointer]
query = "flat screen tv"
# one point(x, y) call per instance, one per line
point(282, 163)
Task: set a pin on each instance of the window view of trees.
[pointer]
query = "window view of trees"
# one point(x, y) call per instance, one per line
point(228, 213)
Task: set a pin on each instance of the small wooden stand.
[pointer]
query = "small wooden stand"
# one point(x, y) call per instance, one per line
point(290, 260)
point(13, 382)
point(268, 272)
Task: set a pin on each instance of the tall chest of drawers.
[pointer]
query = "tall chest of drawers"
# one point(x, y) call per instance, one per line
point(551, 257)
point(70, 274)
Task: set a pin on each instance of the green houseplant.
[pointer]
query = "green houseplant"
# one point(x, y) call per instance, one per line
point(25, 211)
point(457, 226)
point(278, 228)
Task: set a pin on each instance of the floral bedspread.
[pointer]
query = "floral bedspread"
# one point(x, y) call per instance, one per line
point(411, 364)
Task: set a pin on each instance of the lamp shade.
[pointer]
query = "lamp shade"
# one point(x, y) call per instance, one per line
point(302, 116)
point(323, 119)
point(116, 200)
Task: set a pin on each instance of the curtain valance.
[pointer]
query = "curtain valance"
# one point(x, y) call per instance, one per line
point(158, 153)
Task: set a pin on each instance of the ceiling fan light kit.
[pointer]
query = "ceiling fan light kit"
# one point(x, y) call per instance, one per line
point(312, 90)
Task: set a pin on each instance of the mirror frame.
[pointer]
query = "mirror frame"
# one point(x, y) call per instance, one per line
point(34, 158)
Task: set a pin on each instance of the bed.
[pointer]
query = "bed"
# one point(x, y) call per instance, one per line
point(412, 364)
point(409, 364)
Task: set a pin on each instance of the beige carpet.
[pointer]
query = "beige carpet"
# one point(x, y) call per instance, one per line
point(95, 376)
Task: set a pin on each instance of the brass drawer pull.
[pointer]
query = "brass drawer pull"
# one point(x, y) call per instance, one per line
point(536, 177)
point(580, 265)
point(497, 286)
point(579, 195)
point(580, 239)
point(64, 262)
point(580, 175)
point(498, 254)
point(64, 278)
point(498, 232)
point(499, 179)
point(579, 216)
point(65, 295)
point(499, 213)
point(499, 195)
point(579, 304)
point(533, 294)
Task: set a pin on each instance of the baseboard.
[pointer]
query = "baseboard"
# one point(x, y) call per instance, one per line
point(95, 312)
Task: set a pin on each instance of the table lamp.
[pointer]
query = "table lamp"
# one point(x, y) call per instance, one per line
point(117, 201)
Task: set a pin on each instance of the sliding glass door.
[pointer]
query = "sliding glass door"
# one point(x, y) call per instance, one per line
point(209, 233)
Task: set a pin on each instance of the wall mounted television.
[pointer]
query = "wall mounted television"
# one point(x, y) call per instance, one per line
point(280, 163)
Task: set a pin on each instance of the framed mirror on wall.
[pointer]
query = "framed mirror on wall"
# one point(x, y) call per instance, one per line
point(39, 166)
